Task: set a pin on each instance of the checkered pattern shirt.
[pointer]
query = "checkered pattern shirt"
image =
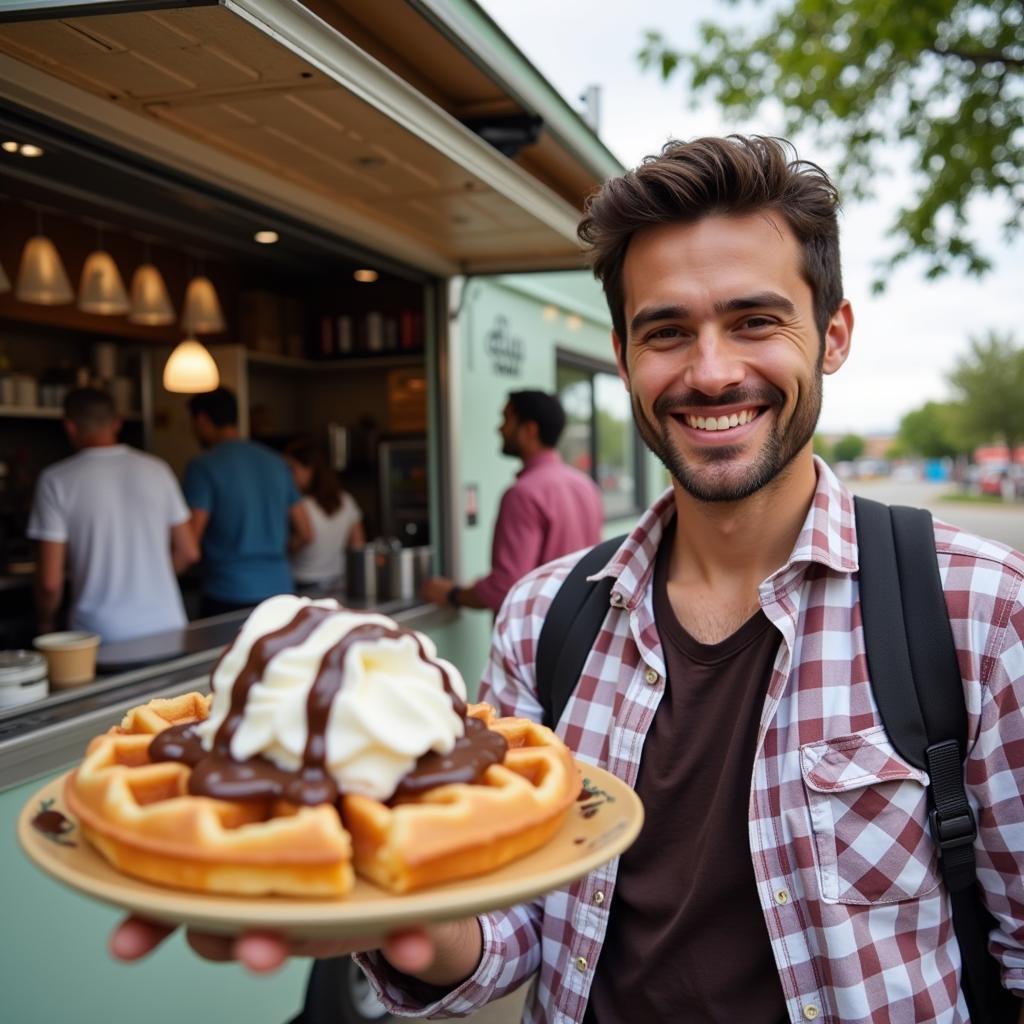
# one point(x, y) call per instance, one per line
point(846, 871)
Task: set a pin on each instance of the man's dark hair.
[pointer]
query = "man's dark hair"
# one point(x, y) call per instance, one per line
point(737, 175)
point(220, 407)
point(89, 409)
point(543, 409)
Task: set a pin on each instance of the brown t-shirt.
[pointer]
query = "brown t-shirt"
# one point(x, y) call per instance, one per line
point(686, 938)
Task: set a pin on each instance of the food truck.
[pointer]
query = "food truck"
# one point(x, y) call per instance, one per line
point(382, 200)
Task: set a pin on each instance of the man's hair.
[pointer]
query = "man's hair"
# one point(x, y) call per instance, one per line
point(543, 409)
point(89, 409)
point(220, 407)
point(737, 175)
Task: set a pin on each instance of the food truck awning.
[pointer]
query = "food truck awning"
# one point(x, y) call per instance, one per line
point(266, 99)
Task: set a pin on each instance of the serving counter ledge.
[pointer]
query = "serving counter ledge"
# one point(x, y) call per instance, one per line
point(50, 734)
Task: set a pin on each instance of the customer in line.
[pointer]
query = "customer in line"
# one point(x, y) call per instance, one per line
point(550, 510)
point(335, 518)
point(243, 502)
point(111, 521)
point(786, 869)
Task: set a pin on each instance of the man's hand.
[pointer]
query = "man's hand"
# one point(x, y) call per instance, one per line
point(410, 951)
point(441, 955)
point(436, 590)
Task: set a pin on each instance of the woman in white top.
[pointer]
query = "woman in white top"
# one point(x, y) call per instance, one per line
point(336, 519)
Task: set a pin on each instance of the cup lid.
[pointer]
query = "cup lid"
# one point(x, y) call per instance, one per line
point(21, 666)
point(65, 640)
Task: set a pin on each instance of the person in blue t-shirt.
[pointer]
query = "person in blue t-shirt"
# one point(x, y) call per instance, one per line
point(243, 502)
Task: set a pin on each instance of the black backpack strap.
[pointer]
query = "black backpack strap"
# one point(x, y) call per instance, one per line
point(570, 628)
point(915, 678)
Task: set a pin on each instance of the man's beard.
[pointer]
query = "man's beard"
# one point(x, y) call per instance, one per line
point(711, 480)
point(509, 447)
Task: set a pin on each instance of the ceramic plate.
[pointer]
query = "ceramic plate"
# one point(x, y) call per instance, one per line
point(601, 824)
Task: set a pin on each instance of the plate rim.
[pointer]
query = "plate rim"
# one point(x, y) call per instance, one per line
point(294, 914)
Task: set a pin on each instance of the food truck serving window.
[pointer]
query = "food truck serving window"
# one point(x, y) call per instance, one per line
point(600, 437)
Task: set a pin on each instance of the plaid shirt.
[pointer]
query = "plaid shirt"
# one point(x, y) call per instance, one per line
point(846, 870)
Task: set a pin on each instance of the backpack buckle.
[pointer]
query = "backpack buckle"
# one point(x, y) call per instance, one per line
point(957, 830)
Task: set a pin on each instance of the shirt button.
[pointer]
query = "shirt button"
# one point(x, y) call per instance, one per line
point(811, 1012)
point(617, 599)
point(782, 896)
point(598, 897)
point(651, 678)
point(581, 963)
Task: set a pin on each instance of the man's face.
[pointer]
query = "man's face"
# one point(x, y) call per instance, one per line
point(723, 361)
point(509, 431)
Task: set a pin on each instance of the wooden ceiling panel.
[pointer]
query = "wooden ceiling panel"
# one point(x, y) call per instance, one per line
point(284, 131)
point(213, 77)
point(223, 36)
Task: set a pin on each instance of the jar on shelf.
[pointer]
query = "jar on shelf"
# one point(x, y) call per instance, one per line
point(26, 390)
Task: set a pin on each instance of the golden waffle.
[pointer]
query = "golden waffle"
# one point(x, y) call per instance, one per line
point(459, 830)
point(141, 817)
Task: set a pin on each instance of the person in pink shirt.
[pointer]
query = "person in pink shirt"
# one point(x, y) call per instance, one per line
point(551, 510)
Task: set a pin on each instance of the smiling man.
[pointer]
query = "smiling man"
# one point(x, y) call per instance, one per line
point(785, 870)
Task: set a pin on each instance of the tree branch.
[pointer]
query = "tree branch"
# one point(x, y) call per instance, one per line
point(979, 56)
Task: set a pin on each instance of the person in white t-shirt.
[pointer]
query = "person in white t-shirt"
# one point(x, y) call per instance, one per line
point(336, 519)
point(112, 521)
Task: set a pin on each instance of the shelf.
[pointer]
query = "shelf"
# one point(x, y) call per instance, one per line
point(29, 412)
point(386, 360)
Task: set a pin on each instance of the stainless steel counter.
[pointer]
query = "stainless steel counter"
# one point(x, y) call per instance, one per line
point(49, 734)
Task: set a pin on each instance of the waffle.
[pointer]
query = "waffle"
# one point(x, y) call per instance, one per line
point(458, 830)
point(141, 817)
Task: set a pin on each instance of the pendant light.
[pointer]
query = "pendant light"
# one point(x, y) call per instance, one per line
point(42, 279)
point(5, 282)
point(101, 289)
point(151, 305)
point(190, 369)
point(202, 313)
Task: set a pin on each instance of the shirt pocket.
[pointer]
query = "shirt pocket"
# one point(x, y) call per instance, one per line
point(869, 814)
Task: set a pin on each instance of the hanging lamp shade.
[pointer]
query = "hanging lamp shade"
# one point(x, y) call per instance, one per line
point(202, 313)
point(42, 278)
point(5, 281)
point(191, 369)
point(151, 305)
point(101, 289)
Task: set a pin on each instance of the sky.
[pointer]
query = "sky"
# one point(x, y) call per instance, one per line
point(907, 339)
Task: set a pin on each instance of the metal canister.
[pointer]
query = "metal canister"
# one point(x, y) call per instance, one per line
point(401, 572)
point(394, 571)
point(23, 678)
point(422, 556)
point(361, 573)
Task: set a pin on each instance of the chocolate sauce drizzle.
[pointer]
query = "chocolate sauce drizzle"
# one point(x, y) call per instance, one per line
point(219, 775)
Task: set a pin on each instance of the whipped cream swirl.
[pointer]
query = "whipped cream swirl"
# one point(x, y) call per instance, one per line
point(391, 706)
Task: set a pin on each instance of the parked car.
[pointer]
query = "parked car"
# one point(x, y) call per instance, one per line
point(998, 479)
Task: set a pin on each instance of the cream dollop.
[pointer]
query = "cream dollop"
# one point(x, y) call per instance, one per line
point(391, 707)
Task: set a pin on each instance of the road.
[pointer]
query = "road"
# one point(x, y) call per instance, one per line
point(1004, 523)
point(999, 521)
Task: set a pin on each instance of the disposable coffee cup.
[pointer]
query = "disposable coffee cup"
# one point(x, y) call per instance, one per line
point(70, 656)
